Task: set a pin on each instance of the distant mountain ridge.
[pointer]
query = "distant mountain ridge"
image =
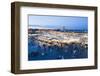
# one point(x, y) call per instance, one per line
point(58, 27)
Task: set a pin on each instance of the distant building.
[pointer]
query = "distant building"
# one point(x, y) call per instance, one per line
point(63, 28)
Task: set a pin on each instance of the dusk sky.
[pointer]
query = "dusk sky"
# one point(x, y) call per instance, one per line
point(56, 22)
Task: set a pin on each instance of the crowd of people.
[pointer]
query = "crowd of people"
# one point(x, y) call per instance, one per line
point(38, 50)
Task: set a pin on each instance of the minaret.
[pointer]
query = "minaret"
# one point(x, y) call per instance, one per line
point(63, 28)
